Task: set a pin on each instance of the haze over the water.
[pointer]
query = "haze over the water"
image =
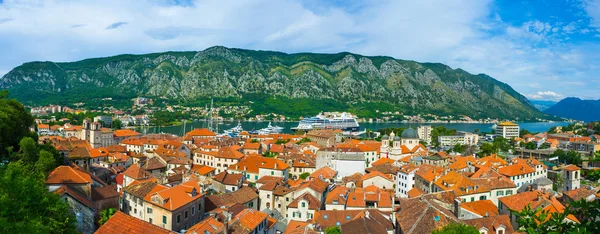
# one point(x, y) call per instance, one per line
point(546, 50)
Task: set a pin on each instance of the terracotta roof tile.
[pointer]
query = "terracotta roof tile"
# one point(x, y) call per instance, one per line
point(313, 202)
point(324, 172)
point(122, 223)
point(253, 163)
point(227, 178)
point(125, 133)
point(68, 175)
point(175, 197)
point(492, 223)
point(209, 225)
point(482, 208)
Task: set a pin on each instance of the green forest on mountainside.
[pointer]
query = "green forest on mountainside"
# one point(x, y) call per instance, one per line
point(272, 82)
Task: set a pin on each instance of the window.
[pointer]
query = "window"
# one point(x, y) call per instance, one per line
point(472, 199)
point(256, 177)
point(135, 211)
point(185, 215)
point(193, 210)
point(199, 207)
point(149, 210)
point(251, 204)
point(178, 218)
point(272, 173)
point(324, 216)
point(268, 195)
point(164, 219)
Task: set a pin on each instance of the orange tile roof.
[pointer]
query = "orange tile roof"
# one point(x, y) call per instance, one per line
point(125, 133)
point(298, 227)
point(482, 207)
point(313, 202)
point(122, 223)
point(202, 169)
point(337, 196)
point(492, 161)
point(324, 172)
point(382, 161)
point(571, 168)
point(43, 126)
point(68, 175)
point(317, 185)
point(415, 192)
point(175, 197)
point(536, 199)
point(460, 184)
point(360, 197)
point(375, 174)
point(226, 152)
point(253, 163)
point(201, 132)
point(516, 169)
point(429, 172)
point(250, 218)
point(253, 146)
point(135, 172)
point(98, 152)
point(209, 225)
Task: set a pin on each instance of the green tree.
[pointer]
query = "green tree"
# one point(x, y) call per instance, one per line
point(539, 221)
point(304, 175)
point(303, 140)
point(487, 149)
point(456, 228)
point(46, 162)
point(29, 152)
point(458, 148)
point(26, 204)
point(501, 143)
point(14, 123)
point(333, 230)
point(117, 124)
point(105, 215)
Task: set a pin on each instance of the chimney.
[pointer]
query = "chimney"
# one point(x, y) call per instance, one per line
point(367, 214)
point(486, 214)
point(457, 204)
point(275, 165)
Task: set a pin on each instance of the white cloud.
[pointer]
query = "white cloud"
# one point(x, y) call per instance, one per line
point(545, 95)
point(460, 33)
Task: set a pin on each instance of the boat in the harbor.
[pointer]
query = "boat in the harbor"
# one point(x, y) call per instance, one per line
point(333, 120)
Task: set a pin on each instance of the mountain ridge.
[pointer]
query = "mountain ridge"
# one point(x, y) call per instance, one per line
point(576, 108)
point(223, 72)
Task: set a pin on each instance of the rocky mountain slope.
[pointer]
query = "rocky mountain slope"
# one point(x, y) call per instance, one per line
point(575, 108)
point(223, 72)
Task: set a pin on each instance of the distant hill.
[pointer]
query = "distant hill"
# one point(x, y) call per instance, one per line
point(292, 83)
point(575, 108)
point(542, 105)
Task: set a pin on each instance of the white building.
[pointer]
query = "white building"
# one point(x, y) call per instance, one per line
point(463, 138)
point(507, 130)
point(345, 161)
point(405, 181)
point(424, 132)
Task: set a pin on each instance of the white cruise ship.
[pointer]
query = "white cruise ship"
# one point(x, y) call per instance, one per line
point(335, 120)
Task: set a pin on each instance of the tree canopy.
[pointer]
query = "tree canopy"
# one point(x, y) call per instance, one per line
point(26, 205)
point(456, 228)
point(14, 123)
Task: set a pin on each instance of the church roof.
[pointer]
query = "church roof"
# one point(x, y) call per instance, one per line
point(410, 133)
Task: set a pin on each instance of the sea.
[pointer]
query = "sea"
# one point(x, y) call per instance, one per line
point(249, 126)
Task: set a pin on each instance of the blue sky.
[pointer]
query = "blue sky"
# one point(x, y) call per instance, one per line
point(545, 49)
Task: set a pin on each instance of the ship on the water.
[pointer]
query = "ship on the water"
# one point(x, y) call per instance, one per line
point(329, 120)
